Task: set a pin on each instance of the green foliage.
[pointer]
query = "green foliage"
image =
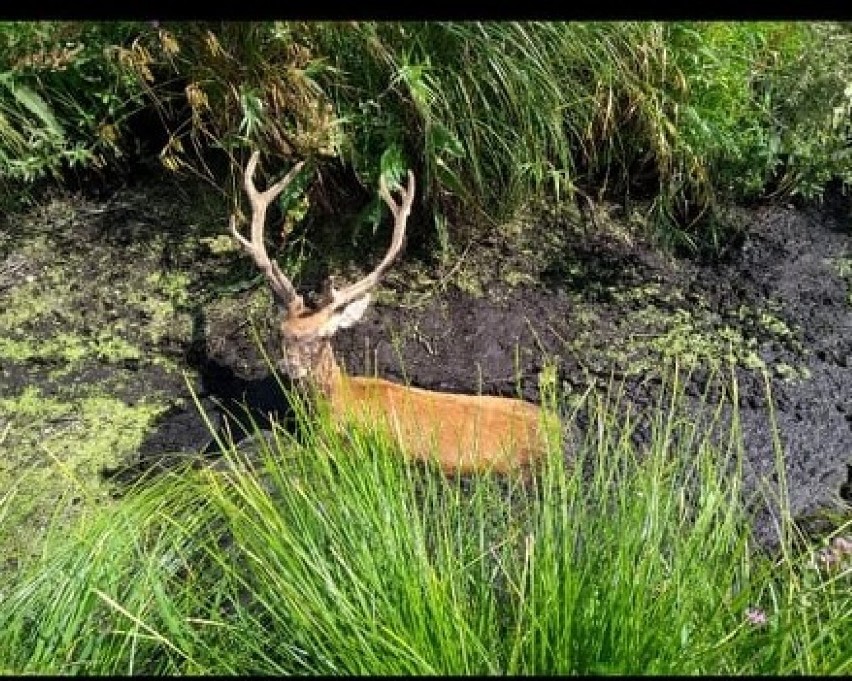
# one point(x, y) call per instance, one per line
point(488, 114)
point(63, 97)
point(766, 103)
point(493, 113)
point(333, 555)
point(811, 93)
point(235, 85)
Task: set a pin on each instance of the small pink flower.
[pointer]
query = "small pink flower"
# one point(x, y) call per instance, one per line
point(756, 617)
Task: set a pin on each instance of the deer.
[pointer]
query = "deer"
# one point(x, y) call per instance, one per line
point(462, 433)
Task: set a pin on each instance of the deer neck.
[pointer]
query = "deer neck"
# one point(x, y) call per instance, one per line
point(326, 375)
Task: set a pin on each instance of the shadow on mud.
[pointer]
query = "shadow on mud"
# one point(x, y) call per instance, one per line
point(234, 409)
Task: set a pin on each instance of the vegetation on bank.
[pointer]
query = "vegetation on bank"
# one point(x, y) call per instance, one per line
point(293, 561)
point(332, 555)
point(677, 116)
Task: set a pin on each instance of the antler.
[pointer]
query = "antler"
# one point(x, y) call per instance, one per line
point(400, 212)
point(282, 287)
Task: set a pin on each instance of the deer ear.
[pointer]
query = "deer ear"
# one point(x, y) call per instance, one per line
point(346, 317)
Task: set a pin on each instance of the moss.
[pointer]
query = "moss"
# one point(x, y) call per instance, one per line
point(411, 289)
point(632, 327)
point(69, 348)
point(85, 303)
point(25, 304)
point(469, 283)
point(55, 449)
point(517, 278)
point(654, 325)
point(162, 302)
point(173, 285)
point(221, 244)
point(788, 372)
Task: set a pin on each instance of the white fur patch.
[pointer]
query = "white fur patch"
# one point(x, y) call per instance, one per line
point(348, 316)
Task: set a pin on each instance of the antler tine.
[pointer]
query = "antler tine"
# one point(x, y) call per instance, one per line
point(400, 212)
point(281, 286)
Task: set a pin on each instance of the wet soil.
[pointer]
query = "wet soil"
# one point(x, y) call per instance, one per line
point(148, 306)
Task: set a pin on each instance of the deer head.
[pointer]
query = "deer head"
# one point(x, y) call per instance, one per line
point(306, 332)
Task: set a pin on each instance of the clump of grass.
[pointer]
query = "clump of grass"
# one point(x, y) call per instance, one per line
point(64, 98)
point(332, 555)
point(491, 113)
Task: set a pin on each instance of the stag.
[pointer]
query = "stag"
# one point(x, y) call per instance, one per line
point(463, 433)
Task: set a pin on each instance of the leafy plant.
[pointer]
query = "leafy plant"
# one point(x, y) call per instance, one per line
point(64, 97)
point(681, 116)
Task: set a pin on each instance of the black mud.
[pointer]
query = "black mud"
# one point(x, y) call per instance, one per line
point(596, 300)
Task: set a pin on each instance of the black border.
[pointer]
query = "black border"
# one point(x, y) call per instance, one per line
point(416, 11)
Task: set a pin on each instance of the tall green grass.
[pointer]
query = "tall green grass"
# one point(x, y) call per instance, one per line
point(491, 114)
point(332, 555)
point(682, 116)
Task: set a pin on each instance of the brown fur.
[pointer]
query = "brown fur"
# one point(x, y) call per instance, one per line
point(463, 433)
